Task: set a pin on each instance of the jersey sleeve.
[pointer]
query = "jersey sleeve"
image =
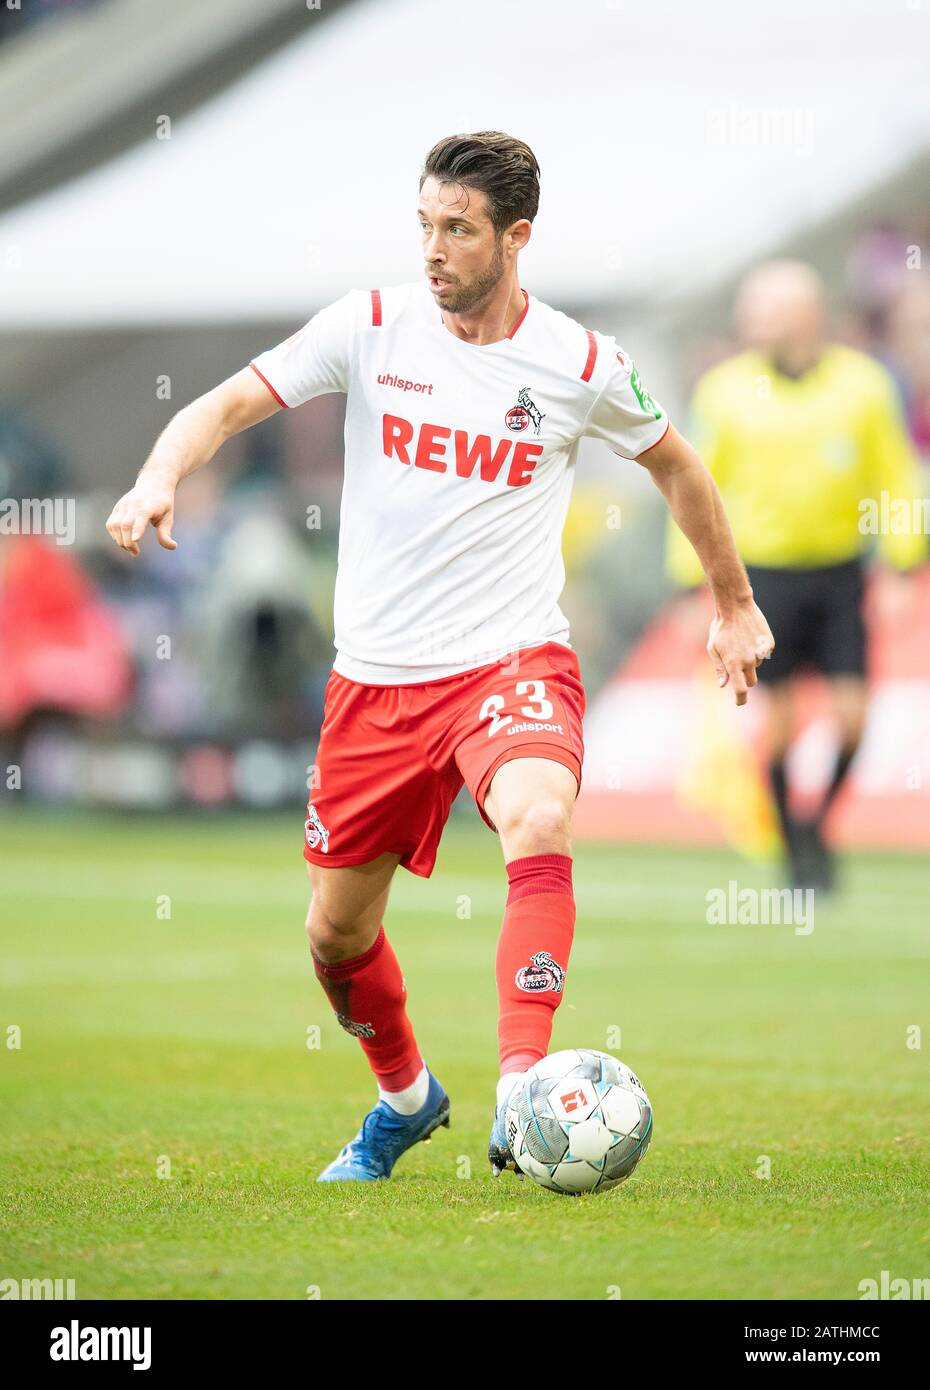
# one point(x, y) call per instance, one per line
point(624, 415)
point(316, 359)
point(893, 468)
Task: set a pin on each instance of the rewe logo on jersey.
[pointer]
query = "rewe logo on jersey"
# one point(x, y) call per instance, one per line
point(438, 446)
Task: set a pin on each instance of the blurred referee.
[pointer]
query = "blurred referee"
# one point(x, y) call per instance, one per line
point(797, 433)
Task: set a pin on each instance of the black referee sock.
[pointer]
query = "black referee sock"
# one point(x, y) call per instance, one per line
point(780, 791)
point(843, 764)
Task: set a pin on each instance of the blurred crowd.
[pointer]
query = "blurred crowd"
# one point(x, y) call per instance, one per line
point(889, 314)
point(16, 20)
point(196, 673)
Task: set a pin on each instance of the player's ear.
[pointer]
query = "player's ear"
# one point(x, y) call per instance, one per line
point(518, 234)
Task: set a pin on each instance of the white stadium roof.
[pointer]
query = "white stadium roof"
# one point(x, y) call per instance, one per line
point(675, 139)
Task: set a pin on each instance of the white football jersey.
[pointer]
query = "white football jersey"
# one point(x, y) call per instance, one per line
point(459, 464)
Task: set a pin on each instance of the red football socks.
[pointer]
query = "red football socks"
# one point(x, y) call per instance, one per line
point(369, 999)
point(532, 956)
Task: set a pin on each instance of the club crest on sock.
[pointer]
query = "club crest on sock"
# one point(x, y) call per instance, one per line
point(358, 1030)
point(541, 974)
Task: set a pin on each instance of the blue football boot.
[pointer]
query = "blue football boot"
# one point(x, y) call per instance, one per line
point(384, 1136)
point(500, 1156)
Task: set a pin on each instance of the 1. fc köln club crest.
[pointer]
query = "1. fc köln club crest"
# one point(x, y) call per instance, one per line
point(542, 973)
point(317, 834)
point(519, 416)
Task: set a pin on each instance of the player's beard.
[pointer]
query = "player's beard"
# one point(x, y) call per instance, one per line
point(465, 298)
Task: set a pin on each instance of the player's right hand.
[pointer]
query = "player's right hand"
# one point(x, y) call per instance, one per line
point(737, 644)
point(147, 502)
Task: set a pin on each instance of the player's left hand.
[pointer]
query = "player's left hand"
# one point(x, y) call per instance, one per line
point(736, 645)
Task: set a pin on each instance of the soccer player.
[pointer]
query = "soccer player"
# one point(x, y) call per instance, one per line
point(801, 435)
point(467, 397)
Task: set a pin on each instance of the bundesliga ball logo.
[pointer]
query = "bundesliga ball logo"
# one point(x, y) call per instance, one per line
point(517, 419)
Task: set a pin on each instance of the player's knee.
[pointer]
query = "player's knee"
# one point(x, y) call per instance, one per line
point(540, 827)
point(330, 931)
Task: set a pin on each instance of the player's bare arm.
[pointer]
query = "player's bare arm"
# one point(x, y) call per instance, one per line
point(189, 441)
point(739, 634)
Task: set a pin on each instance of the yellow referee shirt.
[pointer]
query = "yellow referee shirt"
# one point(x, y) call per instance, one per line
point(797, 460)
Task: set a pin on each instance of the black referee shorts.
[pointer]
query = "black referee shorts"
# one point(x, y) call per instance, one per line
point(816, 619)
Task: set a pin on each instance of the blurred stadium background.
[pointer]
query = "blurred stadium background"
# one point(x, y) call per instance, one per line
point(196, 181)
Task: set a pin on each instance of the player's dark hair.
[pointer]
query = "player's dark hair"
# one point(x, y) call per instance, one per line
point(503, 168)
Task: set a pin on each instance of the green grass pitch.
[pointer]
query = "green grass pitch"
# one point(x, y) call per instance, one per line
point(149, 1040)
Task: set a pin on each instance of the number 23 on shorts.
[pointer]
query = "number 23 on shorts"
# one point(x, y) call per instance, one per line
point(536, 706)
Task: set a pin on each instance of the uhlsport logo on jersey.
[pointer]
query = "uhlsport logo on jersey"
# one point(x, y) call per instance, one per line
point(317, 834)
point(518, 417)
point(541, 974)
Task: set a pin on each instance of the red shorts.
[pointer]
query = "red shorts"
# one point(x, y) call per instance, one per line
point(391, 759)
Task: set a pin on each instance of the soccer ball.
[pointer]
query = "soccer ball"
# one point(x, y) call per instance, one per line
point(579, 1121)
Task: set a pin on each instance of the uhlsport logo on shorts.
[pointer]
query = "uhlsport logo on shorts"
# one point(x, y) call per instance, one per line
point(541, 974)
point(317, 834)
